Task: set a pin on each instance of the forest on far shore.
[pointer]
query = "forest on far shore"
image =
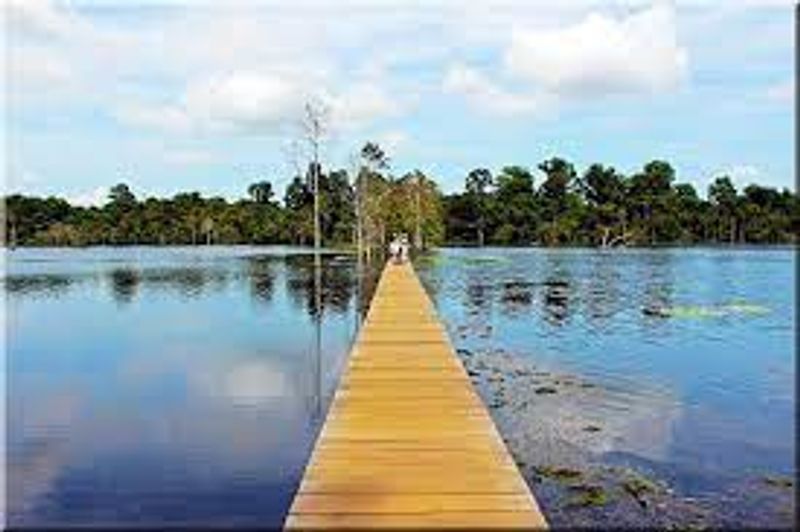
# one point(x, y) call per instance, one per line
point(598, 206)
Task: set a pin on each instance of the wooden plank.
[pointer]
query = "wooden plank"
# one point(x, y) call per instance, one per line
point(407, 442)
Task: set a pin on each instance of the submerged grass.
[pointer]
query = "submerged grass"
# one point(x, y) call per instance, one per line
point(587, 496)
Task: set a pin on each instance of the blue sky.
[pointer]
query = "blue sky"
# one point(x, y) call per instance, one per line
point(208, 96)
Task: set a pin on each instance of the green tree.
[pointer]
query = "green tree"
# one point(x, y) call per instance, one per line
point(477, 186)
point(723, 196)
point(261, 192)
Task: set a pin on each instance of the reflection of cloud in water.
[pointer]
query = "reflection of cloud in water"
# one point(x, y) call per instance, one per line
point(554, 417)
point(39, 448)
point(253, 383)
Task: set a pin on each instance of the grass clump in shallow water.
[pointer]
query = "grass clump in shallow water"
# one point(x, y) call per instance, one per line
point(639, 487)
point(778, 482)
point(559, 474)
point(587, 496)
point(483, 260)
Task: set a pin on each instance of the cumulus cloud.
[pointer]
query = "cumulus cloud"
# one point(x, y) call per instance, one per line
point(485, 95)
point(95, 197)
point(263, 103)
point(362, 104)
point(244, 101)
point(601, 54)
point(597, 56)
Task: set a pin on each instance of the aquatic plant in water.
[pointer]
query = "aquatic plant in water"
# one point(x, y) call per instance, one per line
point(701, 311)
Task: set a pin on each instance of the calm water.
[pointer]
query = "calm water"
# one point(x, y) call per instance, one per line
point(178, 385)
point(701, 399)
point(184, 385)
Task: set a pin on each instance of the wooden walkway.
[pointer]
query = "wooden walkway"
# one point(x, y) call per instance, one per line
point(407, 442)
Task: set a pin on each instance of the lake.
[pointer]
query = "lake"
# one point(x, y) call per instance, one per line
point(169, 386)
point(661, 381)
point(180, 386)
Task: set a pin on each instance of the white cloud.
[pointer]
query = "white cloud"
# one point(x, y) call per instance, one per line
point(238, 102)
point(781, 92)
point(392, 141)
point(601, 54)
point(91, 198)
point(41, 18)
point(261, 103)
point(169, 118)
point(487, 96)
point(362, 104)
point(244, 101)
point(39, 67)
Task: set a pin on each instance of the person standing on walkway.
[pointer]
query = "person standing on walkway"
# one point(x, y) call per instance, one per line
point(394, 249)
point(403, 248)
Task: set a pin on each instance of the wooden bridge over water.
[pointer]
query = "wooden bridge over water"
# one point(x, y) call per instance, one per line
point(407, 442)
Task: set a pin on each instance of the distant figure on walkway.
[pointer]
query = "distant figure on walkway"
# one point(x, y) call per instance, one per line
point(403, 248)
point(394, 249)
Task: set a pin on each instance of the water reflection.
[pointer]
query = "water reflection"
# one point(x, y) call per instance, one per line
point(603, 296)
point(688, 393)
point(516, 295)
point(124, 284)
point(52, 285)
point(196, 408)
point(657, 278)
point(261, 276)
point(337, 283)
point(191, 282)
point(557, 288)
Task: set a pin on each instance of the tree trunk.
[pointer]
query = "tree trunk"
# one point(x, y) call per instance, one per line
point(604, 240)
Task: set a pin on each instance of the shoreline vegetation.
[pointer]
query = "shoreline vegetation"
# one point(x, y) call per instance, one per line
point(598, 207)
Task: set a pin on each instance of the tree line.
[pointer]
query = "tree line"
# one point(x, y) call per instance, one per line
point(364, 205)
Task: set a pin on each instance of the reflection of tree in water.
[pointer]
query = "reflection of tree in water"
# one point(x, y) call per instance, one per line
point(124, 284)
point(38, 285)
point(517, 296)
point(479, 292)
point(337, 279)
point(557, 293)
point(656, 276)
point(603, 297)
point(189, 282)
point(261, 276)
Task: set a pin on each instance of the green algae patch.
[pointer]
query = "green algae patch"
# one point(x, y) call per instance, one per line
point(559, 474)
point(743, 307)
point(587, 496)
point(687, 311)
point(778, 482)
point(483, 260)
point(639, 487)
point(734, 308)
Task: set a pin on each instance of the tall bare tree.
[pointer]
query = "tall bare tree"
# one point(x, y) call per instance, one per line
point(315, 127)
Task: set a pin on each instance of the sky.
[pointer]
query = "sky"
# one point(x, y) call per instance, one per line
point(175, 96)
